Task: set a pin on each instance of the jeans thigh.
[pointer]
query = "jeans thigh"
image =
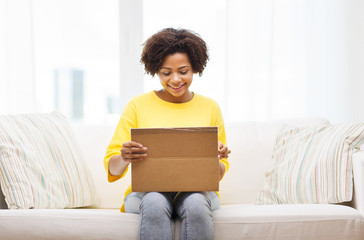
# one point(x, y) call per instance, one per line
point(133, 201)
point(214, 199)
point(211, 198)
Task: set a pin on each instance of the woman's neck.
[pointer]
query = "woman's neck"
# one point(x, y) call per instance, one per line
point(166, 96)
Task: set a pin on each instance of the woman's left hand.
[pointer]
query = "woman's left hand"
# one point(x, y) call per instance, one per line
point(223, 151)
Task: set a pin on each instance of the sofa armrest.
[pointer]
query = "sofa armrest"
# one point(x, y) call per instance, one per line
point(358, 172)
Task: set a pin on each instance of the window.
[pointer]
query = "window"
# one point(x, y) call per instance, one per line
point(76, 58)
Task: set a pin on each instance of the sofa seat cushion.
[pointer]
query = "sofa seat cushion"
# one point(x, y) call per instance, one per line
point(299, 221)
point(303, 221)
point(56, 224)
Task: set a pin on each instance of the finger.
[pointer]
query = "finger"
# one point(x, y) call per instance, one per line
point(130, 157)
point(224, 155)
point(139, 150)
point(134, 150)
point(131, 144)
point(135, 155)
point(130, 160)
point(227, 151)
point(136, 160)
point(223, 149)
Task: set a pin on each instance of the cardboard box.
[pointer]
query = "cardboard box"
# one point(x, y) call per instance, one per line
point(179, 160)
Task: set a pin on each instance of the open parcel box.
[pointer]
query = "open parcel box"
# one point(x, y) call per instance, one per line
point(179, 159)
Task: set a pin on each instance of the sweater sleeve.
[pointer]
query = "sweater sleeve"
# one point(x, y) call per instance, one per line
point(127, 121)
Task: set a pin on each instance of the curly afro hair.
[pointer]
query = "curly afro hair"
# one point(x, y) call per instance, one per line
point(170, 41)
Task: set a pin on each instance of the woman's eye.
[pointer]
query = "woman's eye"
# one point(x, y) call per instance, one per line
point(184, 72)
point(166, 74)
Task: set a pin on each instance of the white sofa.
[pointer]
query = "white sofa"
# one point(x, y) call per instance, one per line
point(239, 218)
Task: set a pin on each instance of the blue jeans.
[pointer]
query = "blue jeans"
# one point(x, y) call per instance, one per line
point(157, 210)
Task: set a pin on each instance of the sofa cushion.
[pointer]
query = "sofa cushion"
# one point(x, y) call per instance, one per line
point(41, 165)
point(314, 222)
point(294, 221)
point(57, 224)
point(312, 165)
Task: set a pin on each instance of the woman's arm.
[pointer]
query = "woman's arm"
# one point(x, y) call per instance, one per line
point(222, 170)
point(117, 166)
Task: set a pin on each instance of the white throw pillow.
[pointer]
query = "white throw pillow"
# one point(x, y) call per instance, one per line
point(41, 165)
point(312, 165)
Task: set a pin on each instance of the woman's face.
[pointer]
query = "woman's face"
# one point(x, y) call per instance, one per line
point(176, 76)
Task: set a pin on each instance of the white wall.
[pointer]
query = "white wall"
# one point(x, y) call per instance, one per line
point(355, 60)
point(335, 82)
point(295, 59)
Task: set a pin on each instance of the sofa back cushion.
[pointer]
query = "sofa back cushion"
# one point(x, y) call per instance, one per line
point(41, 164)
point(312, 165)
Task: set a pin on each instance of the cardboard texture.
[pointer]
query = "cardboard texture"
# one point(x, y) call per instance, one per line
point(179, 160)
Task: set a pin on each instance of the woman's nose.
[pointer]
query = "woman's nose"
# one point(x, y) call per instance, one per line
point(176, 77)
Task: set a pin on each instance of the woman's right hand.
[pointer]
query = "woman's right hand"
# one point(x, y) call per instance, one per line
point(133, 152)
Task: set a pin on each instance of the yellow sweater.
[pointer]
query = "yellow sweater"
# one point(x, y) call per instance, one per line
point(149, 111)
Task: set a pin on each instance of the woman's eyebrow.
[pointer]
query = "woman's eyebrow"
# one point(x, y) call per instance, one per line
point(177, 68)
point(183, 67)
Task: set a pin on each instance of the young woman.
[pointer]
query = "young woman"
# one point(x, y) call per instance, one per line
point(175, 55)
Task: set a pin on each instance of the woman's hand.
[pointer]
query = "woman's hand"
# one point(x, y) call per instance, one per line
point(130, 152)
point(223, 151)
point(133, 152)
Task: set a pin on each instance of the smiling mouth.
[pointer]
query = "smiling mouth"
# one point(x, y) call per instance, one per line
point(177, 88)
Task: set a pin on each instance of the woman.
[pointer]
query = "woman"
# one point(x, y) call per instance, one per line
point(174, 55)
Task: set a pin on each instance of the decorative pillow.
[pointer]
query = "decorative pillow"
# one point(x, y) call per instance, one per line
point(41, 165)
point(312, 165)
